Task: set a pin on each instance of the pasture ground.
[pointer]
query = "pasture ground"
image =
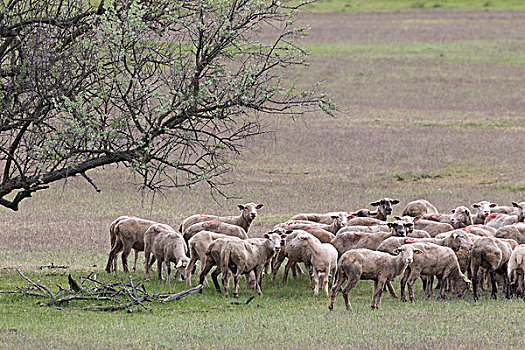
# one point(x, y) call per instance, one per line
point(431, 107)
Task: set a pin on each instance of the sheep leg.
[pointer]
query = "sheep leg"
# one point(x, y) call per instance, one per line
point(236, 284)
point(136, 258)
point(410, 281)
point(146, 264)
point(404, 282)
point(168, 270)
point(380, 285)
point(278, 260)
point(338, 281)
point(316, 282)
point(214, 276)
point(493, 282)
point(391, 289)
point(226, 283)
point(204, 271)
point(112, 259)
point(159, 269)
point(443, 283)
point(125, 252)
point(287, 269)
point(351, 283)
point(258, 278)
point(507, 286)
point(475, 287)
point(189, 268)
point(325, 282)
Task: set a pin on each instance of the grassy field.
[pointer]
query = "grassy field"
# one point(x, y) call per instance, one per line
point(431, 107)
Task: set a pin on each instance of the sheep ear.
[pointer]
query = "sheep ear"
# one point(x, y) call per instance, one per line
point(259, 206)
point(493, 205)
point(417, 218)
point(395, 251)
point(266, 235)
point(283, 235)
point(466, 279)
point(395, 201)
point(514, 204)
point(390, 224)
point(453, 210)
point(475, 206)
point(398, 218)
point(454, 235)
point(417, 251)
point(288, 232)
point(374, 204)
point(179, 264)
point(240, 206)
point(335, 216)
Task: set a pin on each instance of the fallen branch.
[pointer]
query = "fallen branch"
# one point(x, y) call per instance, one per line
point(245, 303)
point(182, 294)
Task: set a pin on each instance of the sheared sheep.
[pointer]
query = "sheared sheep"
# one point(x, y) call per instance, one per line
point(436, 261)
point(198, 245)
point(244, 220)
point(365, 264)
point(432, 227)
point(419, 207)
point(321, 234)
point(323, 258)
point(516, 270)
point(345, 241)
point(242, 257)
point(460, 217)
point(499, 220)
point(149, 237)
point(112, 265)
point(326, 219)
point(169, 247)
point(483, 209)
point(215, 226)
point(515, 232)
point(384, 207)
point(339, 221)
point(492, 254)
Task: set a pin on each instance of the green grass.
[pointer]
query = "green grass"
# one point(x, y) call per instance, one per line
point(449, 52)
point(287, 316)
point(401, 5)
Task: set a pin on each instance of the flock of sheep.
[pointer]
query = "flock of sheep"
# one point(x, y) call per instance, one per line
point(487, 244)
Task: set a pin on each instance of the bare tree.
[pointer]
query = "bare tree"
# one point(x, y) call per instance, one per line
point(168, 88)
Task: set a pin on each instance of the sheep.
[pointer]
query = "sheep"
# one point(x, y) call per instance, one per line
point(118, 244)
point(483, 210)
point(241, 257)
point(432, 227)
point(338, 221)
point(515, 232)
point(516, 270)
point(170, 247)
point(500, 220)
point(369, 229)
point(345, 241)
point(212, 258)
point(384, 207)
point(365, 222)
point(364, 213)
point(436, 261)
point(409, 226)
point(323, 258)
point(198, 245)
point(215, 226)
point(492, 254)
point(455, 240)
point(130, 235)
point(326, 219)
point(364, 264)
point(507, 209)
point(321, 234)
point(419, 207)
point(149, 237)
point(244, 220)
point(295, 255)
point(460, 217)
